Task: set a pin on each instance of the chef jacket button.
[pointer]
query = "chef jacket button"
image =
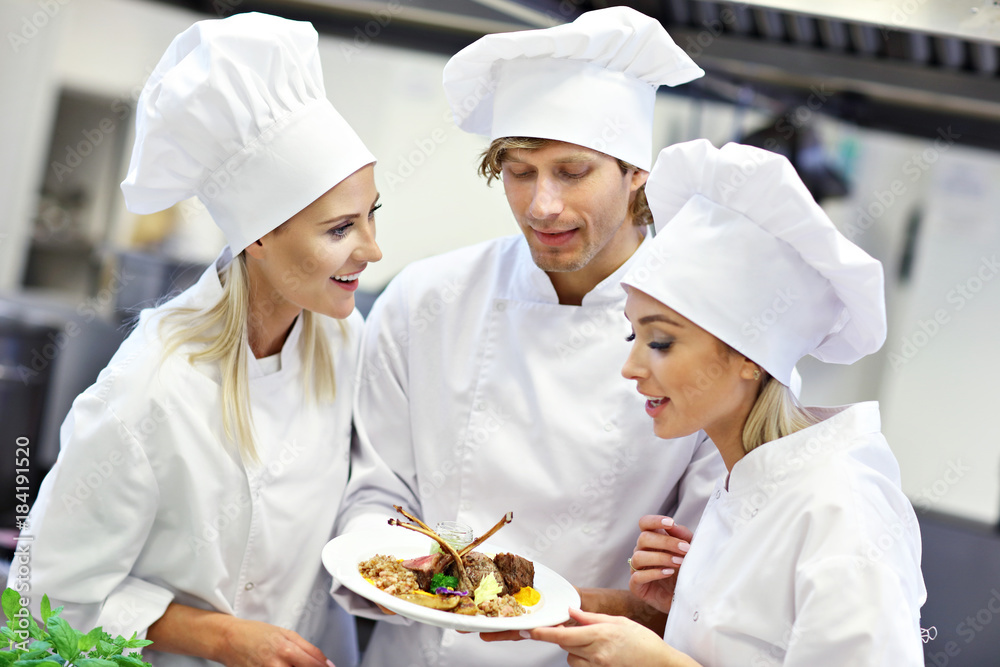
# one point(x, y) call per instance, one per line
point(695, 616)
point(754, 512)
point(586, 529)
point(465, 505)
point(449, 638)
point(501, 306)
point(718, 494)
point(480, 406)
point(249, 586)
point(609, 427)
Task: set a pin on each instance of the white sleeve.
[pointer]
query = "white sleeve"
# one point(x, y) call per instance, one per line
point(698, 482)
point(854, 612)
point(383, 466)
point(89, 524)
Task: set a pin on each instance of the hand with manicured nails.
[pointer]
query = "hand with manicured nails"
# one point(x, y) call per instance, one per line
point(610, 601)
point(658, 554)
point(611, 641)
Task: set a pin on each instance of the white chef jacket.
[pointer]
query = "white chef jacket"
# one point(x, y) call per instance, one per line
point(481, 395)
point(810, 558)
point(147, 505)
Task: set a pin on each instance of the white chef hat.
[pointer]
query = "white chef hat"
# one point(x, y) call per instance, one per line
point(591, 82)
point(236, 113)
point(744, 252)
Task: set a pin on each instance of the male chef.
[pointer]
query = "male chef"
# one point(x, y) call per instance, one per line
point(490, 376)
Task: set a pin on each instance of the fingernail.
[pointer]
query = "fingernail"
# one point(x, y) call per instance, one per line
point(329, 662)
point(525, 634)
point(668, 571)
point(684, 546)
point(678, 560)
point(668, 522)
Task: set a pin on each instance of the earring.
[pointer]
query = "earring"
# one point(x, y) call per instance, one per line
point(756, 374)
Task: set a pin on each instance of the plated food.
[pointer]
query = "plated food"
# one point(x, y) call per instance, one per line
point(460, 581)
point(343, 554)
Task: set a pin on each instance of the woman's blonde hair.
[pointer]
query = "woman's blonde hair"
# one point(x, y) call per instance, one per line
point(775, 414)
point(491, 166)
point(223, 330)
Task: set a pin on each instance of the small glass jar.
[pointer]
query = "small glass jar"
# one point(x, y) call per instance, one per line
point(456, 534)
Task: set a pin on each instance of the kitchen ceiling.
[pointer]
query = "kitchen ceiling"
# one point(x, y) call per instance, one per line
point(976, 21)
point(909, 66)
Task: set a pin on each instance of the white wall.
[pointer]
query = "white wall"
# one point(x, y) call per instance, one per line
point(941, 391)
point(27, 106)
point(433, 199)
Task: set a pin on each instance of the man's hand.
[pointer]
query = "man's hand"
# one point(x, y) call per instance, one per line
point(611, 641)
point(610, 601)
point(659, 553)
point(505, 636)
point(235, 642)
point(614, 602)
point(256, 644)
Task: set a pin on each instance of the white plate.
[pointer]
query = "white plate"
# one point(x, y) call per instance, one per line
point(342, 555)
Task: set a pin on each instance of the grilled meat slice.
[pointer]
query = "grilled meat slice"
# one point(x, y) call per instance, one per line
point(425, 567)
point(517, 572)
point(477, 566)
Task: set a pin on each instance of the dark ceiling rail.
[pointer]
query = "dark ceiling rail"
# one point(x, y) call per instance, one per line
point(831, 35)
point(873, 76)
point(876, 77)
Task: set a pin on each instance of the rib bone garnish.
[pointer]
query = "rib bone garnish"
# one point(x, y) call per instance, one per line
point(463, 578)
point(507, 518)
point(411, 517)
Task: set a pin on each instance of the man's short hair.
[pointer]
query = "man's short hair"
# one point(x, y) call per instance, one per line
point(491, 167)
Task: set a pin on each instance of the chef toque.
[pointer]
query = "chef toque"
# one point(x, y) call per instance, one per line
point(591, 82)
point(743, 251)
point(236, 114)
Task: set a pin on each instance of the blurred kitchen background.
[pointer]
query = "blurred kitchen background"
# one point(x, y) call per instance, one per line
point(890, 110)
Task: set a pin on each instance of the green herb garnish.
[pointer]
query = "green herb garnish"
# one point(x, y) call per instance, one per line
point(56, 644)
point(440, 580)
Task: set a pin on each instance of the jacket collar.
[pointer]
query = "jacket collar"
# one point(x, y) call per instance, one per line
point(208, 290)
point(843, 429)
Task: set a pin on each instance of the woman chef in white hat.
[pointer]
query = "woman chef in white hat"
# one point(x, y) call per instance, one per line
point(199, 478)
point(790, 564)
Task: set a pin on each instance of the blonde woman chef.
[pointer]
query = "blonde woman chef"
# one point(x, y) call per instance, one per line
point(200, 476)
point(781, 569)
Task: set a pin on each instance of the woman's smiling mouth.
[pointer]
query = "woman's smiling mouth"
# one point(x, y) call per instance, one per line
point(655, 405)
point(348, 282)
